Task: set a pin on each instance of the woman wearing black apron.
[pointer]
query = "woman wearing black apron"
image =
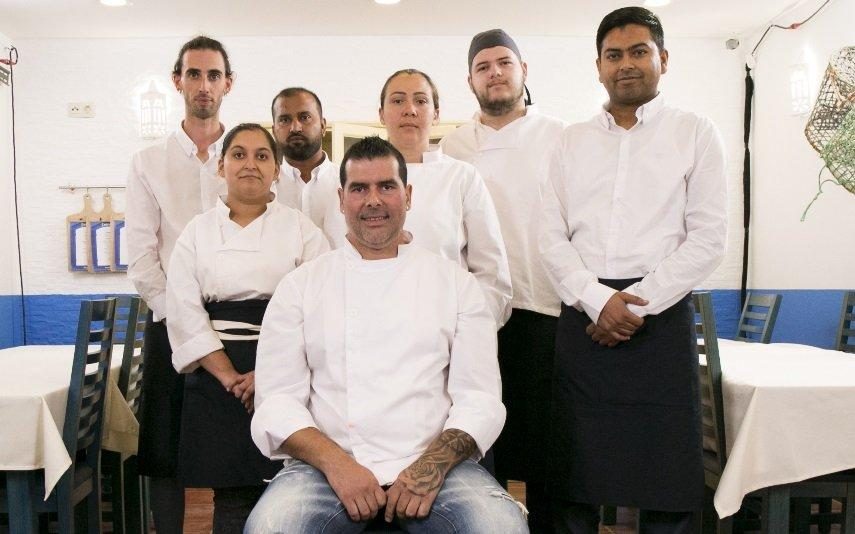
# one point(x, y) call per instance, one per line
point(224, 268)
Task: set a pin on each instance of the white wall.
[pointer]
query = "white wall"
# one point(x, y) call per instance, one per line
point(8, 243)
point(347, 73)
point(787, 254)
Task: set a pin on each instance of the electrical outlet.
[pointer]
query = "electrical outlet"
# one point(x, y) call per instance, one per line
point(81, 110)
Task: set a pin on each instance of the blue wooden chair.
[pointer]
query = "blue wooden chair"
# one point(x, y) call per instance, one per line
point(846, 331)
point(82, 431)
point(758, 318)
point(120, 475)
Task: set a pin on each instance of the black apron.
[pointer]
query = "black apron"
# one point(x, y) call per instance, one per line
point(216, 448)
point(526, 355)
point(159, 413)
point(627, 426)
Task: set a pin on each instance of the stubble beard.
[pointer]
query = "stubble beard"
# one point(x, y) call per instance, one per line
point(301, 153)
point(499, 107)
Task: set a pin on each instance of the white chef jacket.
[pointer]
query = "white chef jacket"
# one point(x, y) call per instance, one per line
point(167, 186)
point(513, 162)
point(216, 259)
point(316, 198)
point(381, 356)
point(453, 215)
point(646, 202)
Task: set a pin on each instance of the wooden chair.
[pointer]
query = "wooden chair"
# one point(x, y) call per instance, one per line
point(126, 495)
point(758, 318)
point(82, 429)
point(846, 330)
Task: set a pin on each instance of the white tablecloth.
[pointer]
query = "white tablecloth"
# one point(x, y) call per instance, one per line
point(34, 383)
point(789, 415)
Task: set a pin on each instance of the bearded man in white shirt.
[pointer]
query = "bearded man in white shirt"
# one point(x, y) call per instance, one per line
point(169, 183)
point(308, 180)
point(377, 380)
point(634, 218)
point(509, 142)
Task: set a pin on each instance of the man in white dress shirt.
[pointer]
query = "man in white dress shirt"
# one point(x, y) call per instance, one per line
point(377, 380)
point(509, 142)
point(308, 180)
point(169, 183)
point(634, 218)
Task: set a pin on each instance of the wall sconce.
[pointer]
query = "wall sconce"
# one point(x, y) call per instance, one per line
point(152, 113)
point(800, 100)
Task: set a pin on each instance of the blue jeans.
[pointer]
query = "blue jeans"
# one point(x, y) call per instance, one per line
point(300, 501)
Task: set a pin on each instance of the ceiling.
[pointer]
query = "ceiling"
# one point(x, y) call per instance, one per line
point(39, 19)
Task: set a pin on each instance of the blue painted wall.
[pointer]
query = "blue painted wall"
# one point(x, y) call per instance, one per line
point(806, 316)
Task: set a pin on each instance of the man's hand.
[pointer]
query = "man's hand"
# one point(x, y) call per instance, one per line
point(413, 492)
point(244, 390)
point(616, 320)
point(357, 488)
point(600, 336)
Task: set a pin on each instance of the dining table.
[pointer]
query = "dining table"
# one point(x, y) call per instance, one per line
point(34, 383)
point(789, 416)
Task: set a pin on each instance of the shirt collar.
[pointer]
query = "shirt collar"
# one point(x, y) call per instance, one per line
point(644, 113)
point(433, 154)
point(354, 255)
point(189, 146)
point(286, 170)
point(223, 210)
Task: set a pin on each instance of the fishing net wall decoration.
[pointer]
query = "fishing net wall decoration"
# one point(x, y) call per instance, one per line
point(831, 127)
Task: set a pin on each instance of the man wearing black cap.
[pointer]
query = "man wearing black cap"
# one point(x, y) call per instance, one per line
point(634, 218)
point(509, 142)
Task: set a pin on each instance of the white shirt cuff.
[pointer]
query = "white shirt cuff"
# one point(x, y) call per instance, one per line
point(594, 298)
point(275, 421)
point(185, 357)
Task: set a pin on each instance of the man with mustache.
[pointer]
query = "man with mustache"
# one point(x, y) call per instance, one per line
point(169, 183)
point(308, 180)
point(634, 218)
point(376, 379)
point(509, 141)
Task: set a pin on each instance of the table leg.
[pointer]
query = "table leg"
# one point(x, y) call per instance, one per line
point(22, 517)
point(775, 517)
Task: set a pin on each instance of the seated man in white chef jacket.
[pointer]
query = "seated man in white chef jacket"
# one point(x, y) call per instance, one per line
point(377, 380)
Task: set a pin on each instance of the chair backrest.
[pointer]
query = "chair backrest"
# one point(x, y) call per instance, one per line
point(84, 411)
point(758, 318)
point(712, 403)
point(131, 313)
point(846, 330)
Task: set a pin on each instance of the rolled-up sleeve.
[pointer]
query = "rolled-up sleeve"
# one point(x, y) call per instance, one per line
point(190, 333)
point(474, 383)
point(282, 375)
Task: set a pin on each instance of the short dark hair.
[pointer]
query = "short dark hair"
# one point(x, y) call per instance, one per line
point(433, 89)
point(370, 148)
point(289, 92)
point(631, 15)
point(247, 126)
point(202, 42)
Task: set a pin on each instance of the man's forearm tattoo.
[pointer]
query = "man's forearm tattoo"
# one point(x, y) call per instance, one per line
point(449, 449)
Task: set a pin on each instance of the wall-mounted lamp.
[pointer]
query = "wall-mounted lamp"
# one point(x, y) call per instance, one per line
point(152, 113)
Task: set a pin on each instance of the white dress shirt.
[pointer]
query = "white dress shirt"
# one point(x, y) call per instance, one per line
point(381, 356)
point(513, 162)
point(316, 198)
point(167, 186)
point(453, 215)
point(646, 202)
point(216, 259)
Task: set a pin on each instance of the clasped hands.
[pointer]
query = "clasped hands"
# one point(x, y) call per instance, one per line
point(410, 496)
point(616, 323)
